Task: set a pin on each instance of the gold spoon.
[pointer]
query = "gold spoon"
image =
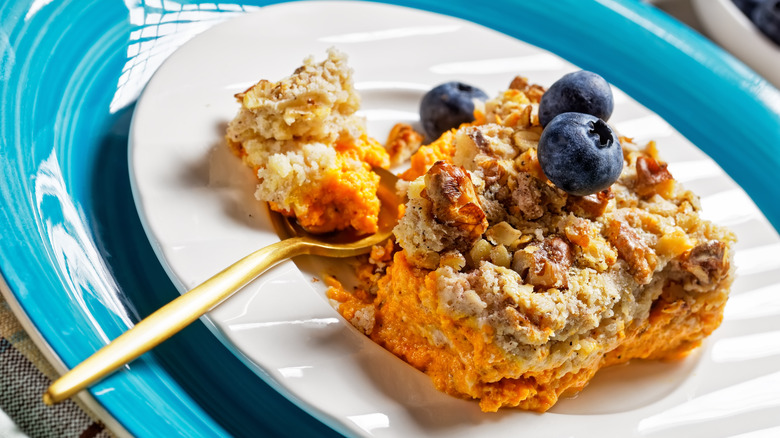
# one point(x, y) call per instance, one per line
point(182, 311)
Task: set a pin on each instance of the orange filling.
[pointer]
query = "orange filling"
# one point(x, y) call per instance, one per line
point(472, 366)
point(441, 149)
point(344, 196)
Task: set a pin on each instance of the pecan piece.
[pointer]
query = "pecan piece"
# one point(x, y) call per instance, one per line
point(640, 257)
point(544, 265)
point(519, 83)
point(707, 262)
point(590, 206)
point(532, 91)
point(455, 202)
point(653, 178)
point(402, 142)
point(479, 139)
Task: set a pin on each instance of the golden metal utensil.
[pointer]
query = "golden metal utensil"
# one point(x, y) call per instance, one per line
point(182, 311)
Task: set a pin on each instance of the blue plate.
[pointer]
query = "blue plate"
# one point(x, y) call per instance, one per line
point(72, 249)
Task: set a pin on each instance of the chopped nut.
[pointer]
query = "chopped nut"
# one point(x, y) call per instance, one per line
point(532, 91)
point(651, 149)
point(494, 172)
point(527, 140)
point(527, 198)
point(544, 265)
point(480, 251)
point(502, 234)
point(641, 258)
point(518, 83)
point(653, 178)
point(519, 119)
point(525, 238)
point(525, 117)
point(402, 142)
point(500, 256)
point(492, 140)
point(443, 213)
point(479, 139)
point(455, 202)
point(477, 145)
point(589, 247)
point(708, 262)
point(590, 206)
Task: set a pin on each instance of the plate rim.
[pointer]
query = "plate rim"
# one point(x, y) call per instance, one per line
point(155, 236)
point(752, 81)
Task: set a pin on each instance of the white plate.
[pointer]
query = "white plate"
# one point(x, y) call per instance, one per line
point(197, 203)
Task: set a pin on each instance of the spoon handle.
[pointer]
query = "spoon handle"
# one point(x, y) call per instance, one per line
point(172, 318)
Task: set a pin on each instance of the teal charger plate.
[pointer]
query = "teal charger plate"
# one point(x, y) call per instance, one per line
point(74, 254)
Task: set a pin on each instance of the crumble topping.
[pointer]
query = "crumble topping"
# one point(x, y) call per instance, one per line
point(509, 290)
point(317, 102)
point(499, 285)
point(310, 150)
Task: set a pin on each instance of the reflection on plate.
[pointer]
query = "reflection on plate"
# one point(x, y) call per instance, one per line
point(197, 203)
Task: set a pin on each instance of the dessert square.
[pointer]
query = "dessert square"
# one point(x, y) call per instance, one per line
point(506, 289)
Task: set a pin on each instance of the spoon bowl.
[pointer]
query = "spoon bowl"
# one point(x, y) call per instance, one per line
point(184, 310)
point(348, 239)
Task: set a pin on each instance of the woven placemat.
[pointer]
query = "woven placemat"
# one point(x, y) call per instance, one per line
point(24, 376)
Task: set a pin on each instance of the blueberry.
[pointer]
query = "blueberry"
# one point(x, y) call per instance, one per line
point(580, 153)
point(579, 92)
point(447, 106)
point(766, 16)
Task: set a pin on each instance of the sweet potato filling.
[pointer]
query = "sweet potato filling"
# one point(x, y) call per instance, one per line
point(474, 367)
point(344, 195)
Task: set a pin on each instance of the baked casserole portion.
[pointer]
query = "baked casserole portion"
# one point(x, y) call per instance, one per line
point(310, 150)
point(506, 289)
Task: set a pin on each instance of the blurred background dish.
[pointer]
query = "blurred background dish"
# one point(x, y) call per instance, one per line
point(727, 25)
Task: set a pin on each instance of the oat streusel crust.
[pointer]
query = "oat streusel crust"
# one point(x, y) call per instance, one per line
point(506, 289)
